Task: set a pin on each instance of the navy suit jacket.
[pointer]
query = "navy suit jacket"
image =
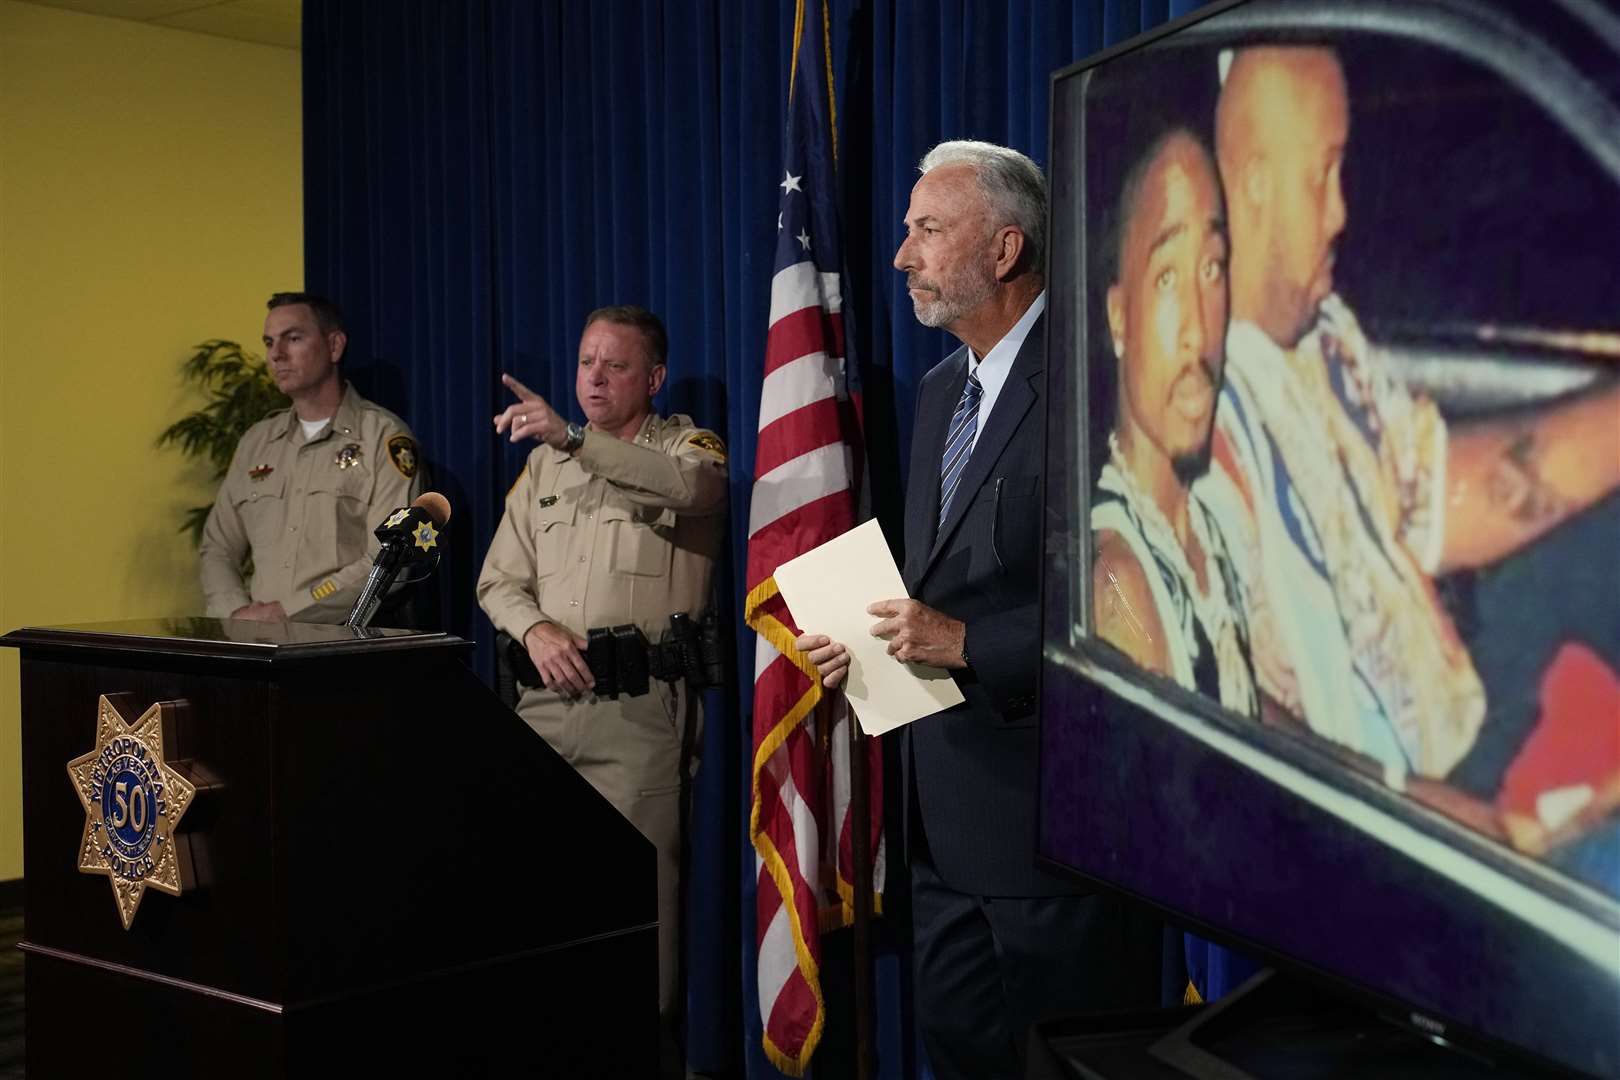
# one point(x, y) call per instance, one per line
point(972, 768)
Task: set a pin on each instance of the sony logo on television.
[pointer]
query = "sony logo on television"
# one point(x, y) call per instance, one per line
point(1424, 1023)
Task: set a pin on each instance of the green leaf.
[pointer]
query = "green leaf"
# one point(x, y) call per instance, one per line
point(240, 393)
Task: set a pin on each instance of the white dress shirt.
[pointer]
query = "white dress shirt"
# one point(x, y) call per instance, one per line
point(997, 364)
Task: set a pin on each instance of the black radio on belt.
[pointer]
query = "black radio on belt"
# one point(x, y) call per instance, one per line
point(623, 661)
point(618, 659)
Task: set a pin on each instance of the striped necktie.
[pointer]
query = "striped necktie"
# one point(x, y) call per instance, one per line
point(964, 423)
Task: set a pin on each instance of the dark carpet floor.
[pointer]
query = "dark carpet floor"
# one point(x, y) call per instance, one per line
point(11, 995)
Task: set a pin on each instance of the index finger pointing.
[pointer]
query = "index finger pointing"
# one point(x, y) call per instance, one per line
point(523, 392)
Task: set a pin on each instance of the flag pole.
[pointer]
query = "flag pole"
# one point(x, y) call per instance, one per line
point(860, 849)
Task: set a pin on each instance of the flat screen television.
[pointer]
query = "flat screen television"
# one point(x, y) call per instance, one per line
point(1332, 587)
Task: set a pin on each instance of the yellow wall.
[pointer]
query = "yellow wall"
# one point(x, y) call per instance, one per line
point(151, 196)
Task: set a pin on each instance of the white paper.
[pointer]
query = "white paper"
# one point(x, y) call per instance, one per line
point(828, 589)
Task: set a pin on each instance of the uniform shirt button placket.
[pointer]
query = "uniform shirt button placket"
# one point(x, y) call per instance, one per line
point(582, 581)
point(297, 507)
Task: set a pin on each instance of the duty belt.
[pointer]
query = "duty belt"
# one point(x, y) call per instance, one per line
point(623, 661)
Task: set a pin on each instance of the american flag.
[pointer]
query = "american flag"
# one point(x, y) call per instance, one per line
point(807, 460)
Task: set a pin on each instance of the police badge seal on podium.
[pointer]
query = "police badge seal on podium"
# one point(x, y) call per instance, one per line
point(133, 800)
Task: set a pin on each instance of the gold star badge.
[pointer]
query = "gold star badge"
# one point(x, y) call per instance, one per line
point(396, 517)
point(426, 536)
point(132, 802)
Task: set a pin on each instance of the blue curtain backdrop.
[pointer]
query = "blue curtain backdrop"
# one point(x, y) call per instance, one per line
point(480, 175)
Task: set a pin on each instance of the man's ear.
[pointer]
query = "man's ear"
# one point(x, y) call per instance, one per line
point(1116, 319)
point(1009, 249)
point(336, 342)
point(655, 379)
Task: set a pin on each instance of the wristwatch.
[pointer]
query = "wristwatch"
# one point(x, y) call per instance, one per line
point(575, 437)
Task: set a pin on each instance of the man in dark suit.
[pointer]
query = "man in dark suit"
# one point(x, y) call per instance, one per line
point(999, 941)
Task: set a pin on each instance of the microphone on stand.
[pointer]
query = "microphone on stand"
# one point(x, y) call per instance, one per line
point(410, 537)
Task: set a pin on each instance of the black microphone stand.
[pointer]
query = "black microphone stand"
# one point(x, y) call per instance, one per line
point(402, 545)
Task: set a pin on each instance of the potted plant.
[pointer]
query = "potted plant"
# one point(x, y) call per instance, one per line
point(240, 393)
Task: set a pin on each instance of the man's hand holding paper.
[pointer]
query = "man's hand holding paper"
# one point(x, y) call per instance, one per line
point(892, 669)
point(916, 633)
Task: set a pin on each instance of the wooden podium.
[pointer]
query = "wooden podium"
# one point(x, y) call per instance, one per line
point(388, 869)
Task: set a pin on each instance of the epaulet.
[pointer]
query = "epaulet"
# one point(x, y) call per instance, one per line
point(393, 418)
point(689, 434)
point(671, 426)
point(521, 474)
point(272, 419)
point(678, 431)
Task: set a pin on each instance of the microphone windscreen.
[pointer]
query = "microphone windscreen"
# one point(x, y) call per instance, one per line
point(436, 505)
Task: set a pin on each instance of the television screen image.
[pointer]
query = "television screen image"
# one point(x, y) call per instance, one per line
point(1332, 628)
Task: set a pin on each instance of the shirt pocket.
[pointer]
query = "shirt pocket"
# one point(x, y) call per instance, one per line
point(553, 527)
point(336, 528)
point(260, 504)
point(638, 538)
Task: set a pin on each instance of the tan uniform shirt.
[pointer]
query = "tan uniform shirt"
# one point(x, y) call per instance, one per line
point(307, 510)
point(618, 532)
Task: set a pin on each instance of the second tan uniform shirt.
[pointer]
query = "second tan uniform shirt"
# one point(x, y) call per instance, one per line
point(307, 510)
point(617, 532)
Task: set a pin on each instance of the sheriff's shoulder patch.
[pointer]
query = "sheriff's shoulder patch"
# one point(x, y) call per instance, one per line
point(707, 440)
point(402, 452)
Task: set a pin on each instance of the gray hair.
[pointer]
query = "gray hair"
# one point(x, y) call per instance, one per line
point(1014, 188)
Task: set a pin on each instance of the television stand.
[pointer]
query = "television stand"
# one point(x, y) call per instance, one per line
point(1270, 1028)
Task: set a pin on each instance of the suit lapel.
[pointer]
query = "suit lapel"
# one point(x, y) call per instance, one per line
point(1017, 396)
